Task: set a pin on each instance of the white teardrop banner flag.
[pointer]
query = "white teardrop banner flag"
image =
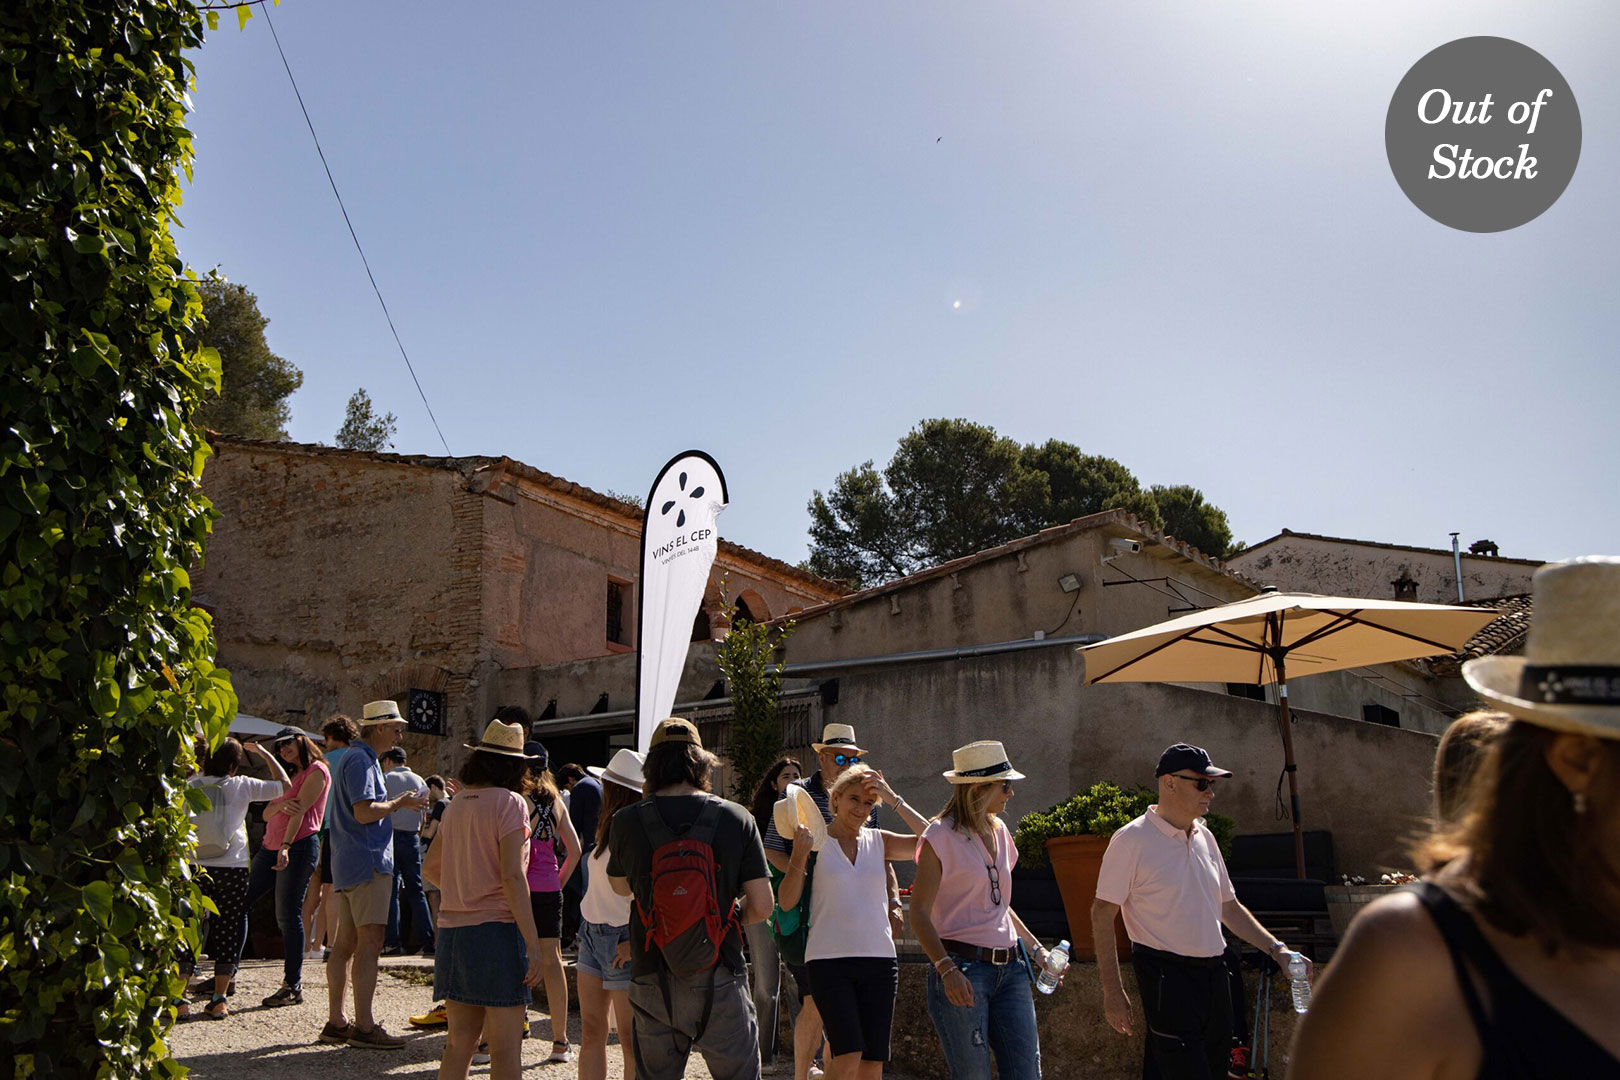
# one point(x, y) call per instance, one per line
point(678, 545)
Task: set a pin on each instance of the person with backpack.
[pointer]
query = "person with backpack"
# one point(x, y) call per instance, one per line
point(549, 823)
point(850, 954)
point(764, 959)
point(222, 853)
point(603, 967)
point(687, 859)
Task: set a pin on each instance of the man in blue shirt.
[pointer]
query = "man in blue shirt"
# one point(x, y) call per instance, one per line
point(363, 875)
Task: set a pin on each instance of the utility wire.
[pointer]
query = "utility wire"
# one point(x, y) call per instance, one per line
point(265, 11)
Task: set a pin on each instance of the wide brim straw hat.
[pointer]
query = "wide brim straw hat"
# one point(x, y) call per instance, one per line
point(1569, 676)
point(624, 770)
point(980, 763)
point(838, 737)
point(380, 712)
point(503, 739)
point(796, 807)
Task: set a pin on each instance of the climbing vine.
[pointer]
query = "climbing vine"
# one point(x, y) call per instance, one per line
point(106, 669)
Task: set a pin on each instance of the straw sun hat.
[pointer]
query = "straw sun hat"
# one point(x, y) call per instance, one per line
point(503, 739)
point(624, 770)
point(837, 737)
point(380, 712)
point(980, 763)
point(1569, 676)
point(796, 808)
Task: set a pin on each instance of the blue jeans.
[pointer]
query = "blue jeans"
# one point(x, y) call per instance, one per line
point(289, 886)
point(1000, 1020)
point(408, 891)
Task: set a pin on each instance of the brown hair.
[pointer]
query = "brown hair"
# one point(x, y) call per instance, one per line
point(496, 770)
point(1522, 856)
point(615, 797)
point(225, 761)
point(341, 728)
point(1457, 757)
point(765, 795)
point(308, 752)
point(672, 763)
point(968, 808)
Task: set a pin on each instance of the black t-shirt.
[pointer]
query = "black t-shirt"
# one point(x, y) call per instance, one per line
point(739, 857)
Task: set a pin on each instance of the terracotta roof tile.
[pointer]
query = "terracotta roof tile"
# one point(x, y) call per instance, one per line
point(1502, 636)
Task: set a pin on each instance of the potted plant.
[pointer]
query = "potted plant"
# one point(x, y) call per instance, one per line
point(1073, 835)
point(1344, 902)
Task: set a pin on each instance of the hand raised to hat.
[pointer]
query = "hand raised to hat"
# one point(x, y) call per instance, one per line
point(879, 788)
point(803, 842)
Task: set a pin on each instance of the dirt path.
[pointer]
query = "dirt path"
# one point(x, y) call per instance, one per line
point(280, 1044)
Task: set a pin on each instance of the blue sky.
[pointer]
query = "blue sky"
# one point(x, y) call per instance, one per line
point(611, 232)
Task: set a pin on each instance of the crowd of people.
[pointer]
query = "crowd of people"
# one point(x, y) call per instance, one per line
point(699, 922)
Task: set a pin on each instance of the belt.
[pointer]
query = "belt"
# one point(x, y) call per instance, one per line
point(1004, 955)
point(1176, 958)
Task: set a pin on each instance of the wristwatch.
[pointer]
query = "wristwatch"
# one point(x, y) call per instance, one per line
point(1275, 945)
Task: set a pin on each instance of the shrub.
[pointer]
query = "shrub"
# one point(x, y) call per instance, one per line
point(1101, 810)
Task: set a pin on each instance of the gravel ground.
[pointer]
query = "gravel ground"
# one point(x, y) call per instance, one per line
point(280, 1044)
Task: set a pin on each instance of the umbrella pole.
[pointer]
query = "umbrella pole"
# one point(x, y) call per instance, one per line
point(1288, 763)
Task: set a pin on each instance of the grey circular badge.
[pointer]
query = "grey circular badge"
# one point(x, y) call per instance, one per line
point(1483, 134)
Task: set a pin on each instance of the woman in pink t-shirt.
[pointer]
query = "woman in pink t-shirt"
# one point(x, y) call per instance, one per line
point(961, 909)
point(549, 823)
point(290, 853)
point(487, 953)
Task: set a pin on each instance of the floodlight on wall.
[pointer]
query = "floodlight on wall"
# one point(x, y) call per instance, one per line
point(1069, 582)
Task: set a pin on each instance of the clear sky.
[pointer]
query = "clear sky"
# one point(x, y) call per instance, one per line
point(785, 233)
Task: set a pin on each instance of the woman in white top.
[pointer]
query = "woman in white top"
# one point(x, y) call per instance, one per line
point(850, 954)
point(222, 852)
point(602, 969)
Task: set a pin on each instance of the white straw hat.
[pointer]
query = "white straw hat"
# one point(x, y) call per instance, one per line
point(624, 769)
point(1569, 676)
point(795, 808)
point(380, 712)
point(837, 737)
point(503, 739)
point(980, 763)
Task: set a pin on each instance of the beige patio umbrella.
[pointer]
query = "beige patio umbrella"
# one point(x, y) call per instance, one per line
point(1266, 638)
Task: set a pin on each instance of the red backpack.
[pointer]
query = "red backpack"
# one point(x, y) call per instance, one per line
point(688, 921)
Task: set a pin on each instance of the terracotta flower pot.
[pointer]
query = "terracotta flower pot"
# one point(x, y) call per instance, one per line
point(1076, 861)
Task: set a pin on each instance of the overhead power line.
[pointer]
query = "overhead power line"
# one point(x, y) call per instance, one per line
point(265, 11)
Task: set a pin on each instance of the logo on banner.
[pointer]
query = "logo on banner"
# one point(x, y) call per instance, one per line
point(682, 543)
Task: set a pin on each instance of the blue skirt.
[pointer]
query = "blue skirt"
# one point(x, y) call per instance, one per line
point(480, 965)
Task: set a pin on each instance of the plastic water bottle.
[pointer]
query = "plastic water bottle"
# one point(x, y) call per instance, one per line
point(1301, 984)
point(1057, 962)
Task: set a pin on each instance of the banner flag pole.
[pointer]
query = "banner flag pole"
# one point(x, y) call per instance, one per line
point(679, 543)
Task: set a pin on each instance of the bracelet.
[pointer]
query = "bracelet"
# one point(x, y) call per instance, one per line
point(792, 866)
point(946, 959)
point(1275, 945)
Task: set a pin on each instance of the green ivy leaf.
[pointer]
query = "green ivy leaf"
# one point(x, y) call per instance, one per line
point(98, 901)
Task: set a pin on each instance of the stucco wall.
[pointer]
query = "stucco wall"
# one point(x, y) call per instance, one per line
point(1338, 568)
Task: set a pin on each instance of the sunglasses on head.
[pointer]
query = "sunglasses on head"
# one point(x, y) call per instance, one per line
point(846, 759)
point(1204, 783)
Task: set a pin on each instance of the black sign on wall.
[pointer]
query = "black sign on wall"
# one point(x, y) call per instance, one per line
point(424, 712)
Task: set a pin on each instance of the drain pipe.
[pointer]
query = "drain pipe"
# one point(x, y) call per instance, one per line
point(1456, 559)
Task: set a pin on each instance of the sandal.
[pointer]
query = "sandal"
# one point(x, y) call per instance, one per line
point(182, 1010)
point(217, 1008)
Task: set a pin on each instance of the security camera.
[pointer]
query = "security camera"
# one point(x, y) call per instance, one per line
point(1121, 545)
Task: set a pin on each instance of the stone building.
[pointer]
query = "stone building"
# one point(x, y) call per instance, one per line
point(1305, 562)
point(985, 647)
point(339, 576)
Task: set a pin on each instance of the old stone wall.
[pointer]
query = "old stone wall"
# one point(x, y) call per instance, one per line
point(335, 579)
point(1344, 568)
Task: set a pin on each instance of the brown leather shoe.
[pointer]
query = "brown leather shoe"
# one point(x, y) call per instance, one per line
point(375, 1039)
point(336, 1033)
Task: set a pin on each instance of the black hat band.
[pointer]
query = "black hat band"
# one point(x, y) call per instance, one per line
point(1005, 766)
point(1588, 684)
point(840, 741)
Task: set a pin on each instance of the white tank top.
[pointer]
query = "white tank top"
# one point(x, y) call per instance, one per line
point(849, 905)
point(601, 904)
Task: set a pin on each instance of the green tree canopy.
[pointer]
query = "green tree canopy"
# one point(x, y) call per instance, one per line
point(955, 487)
point(255, 382)
point(362, 428)
point(952, 488)
point(1190, 519)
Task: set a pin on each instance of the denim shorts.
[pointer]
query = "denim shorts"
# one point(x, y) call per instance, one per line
point(480, 965)
point(597, 943)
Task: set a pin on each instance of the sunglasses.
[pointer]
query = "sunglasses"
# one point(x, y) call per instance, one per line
point(1204, 783)
point(846, 759)
point(995, 883)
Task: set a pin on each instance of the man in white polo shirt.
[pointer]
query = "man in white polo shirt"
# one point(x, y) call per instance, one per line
point(1165, 874)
